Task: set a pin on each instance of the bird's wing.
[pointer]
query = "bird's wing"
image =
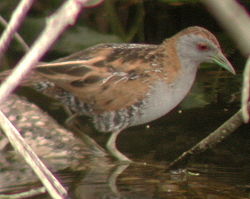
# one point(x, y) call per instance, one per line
point(108, 76)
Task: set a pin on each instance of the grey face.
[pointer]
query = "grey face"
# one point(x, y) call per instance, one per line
point(196, 48)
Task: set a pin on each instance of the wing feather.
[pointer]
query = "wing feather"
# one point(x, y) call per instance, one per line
point(105, 76)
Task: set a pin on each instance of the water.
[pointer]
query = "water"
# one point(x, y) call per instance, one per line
point(220, 172)
point(199, 181)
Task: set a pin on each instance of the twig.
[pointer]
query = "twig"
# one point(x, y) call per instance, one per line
point(15, 21)
point(245, 104)
point(16, 36)
point(56, 23)
point(55, 189)
point(60, 147)
point(214, 138)
point(26, 194)
point(138, 23)
point(114, 20)
point(234, 19)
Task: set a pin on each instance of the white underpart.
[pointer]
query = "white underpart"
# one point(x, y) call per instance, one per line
point(164, 97)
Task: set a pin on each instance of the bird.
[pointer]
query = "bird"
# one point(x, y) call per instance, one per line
point(120, 85)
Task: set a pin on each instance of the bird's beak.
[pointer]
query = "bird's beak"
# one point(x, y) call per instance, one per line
point(222, 61)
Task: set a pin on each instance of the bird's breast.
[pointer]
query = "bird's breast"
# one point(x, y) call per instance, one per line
point(162, 98)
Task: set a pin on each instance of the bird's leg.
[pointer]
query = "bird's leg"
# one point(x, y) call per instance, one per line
point(111, 146)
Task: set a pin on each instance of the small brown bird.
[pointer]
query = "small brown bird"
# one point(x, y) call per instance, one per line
point(123, 85)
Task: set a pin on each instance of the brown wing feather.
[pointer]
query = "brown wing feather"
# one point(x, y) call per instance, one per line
point(105, 76)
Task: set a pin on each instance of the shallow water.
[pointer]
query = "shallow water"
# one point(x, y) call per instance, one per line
point(221, 172)
point(200, 181)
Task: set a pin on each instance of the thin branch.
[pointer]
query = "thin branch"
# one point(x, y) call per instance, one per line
point(138, 23)
point(16, 36)
point(15, 21)
point(214, 138)
point(26, 194)
point(245, 104)
point(56, 23)
point(114, 20)
point(55, 189)
point(234, 19)
point(62, 149)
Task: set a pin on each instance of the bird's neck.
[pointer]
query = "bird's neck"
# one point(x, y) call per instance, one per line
point(187, 75)
point(187, 69)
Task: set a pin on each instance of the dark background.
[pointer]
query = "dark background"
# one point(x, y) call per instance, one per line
point(214, 98)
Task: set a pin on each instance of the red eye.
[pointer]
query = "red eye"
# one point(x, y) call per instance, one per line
point(202, 47)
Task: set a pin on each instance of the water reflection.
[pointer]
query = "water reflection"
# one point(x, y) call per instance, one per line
point(150, 181)
point(88, 173)
point(138, 181)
